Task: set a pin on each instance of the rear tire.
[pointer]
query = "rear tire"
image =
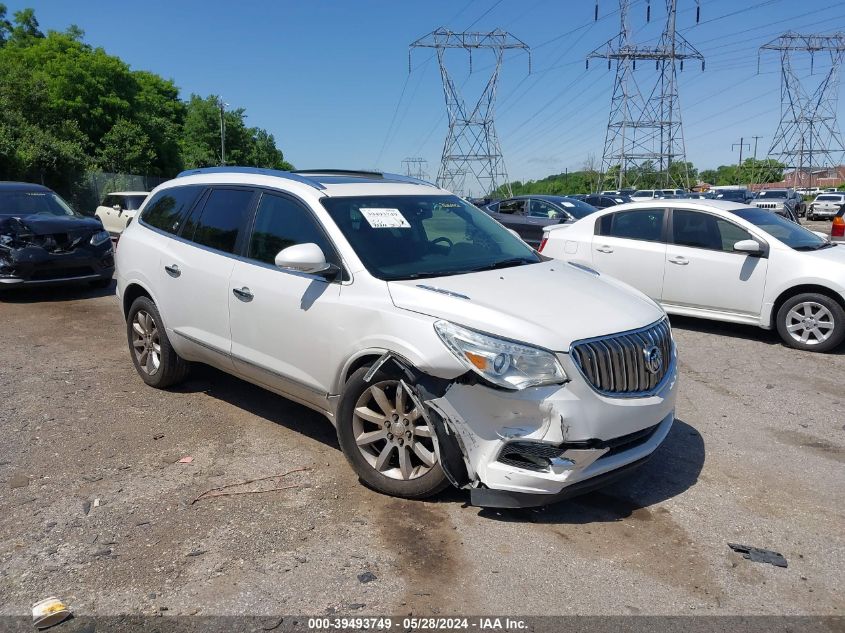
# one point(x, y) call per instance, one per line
point(811, 322)
point(154, 358)
point(385, 440)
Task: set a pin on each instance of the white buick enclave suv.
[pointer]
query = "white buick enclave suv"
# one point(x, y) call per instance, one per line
point(441, 346)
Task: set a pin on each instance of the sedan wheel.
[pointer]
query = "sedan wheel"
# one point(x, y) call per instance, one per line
point(391, 434)
point(811, 322)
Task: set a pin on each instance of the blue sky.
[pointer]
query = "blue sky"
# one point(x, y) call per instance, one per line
point(330, 79)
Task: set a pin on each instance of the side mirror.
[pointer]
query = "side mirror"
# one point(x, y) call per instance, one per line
point(304, 258)
point(750, 247)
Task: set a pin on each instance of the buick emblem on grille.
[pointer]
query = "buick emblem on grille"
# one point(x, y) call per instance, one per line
point(653, 358)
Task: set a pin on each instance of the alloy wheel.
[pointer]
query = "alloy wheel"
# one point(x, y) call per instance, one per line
point(810, 323)
point(146, 343)
point(391, 433)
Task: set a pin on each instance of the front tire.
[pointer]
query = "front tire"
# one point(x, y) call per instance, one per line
point(812, 322)
point(154, 358)
point(386, 440)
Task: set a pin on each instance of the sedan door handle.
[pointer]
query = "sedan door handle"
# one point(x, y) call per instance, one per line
point(173, 270)
point(604, 249)
point(680, 261)
point(243, 294)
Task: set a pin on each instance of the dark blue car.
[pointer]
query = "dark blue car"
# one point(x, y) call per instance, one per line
point(44, 241)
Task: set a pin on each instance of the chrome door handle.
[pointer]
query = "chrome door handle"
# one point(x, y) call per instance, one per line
point(604, 249)
point(173, 270)
point(680, 261)
point(243, 293)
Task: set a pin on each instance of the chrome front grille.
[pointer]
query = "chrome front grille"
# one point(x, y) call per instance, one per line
point(767, 205)
point(623, 364)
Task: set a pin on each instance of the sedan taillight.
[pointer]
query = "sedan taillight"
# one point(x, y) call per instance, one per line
point(838, 227)
point(542, 244)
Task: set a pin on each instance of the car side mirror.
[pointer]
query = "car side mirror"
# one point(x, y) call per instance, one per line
point(304, 258)
point(750, 247)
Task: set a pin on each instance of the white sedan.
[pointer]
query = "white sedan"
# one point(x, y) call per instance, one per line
point(717, 260)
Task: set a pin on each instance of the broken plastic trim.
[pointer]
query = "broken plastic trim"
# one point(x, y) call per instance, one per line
point(422, 388)
point(759, 555)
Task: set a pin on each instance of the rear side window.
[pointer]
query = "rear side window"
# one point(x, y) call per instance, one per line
point(513, 207)
point(167, 208)
point(220, 220)
point(646, 225)
point(281, 222)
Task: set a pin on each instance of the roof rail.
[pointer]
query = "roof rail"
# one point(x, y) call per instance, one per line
point(340, 172)
point(375, 175)
point(276, 173)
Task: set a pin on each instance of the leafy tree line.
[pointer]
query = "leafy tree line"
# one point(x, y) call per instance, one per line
point(67, 108)
point(646, 176)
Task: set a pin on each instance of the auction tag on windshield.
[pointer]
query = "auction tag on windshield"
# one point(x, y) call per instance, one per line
point(567, 204)
point(379, 218)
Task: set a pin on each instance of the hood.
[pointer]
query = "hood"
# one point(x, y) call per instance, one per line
point(826, 256)
point(550, 304)
point(43, 224)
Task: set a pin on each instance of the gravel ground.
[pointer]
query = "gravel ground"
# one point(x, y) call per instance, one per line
point(96, 508)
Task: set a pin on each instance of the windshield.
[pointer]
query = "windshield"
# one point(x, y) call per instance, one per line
point(33, 202)
point(412, 237)
point(577, 208)
point(772, 193)
point(792, 234)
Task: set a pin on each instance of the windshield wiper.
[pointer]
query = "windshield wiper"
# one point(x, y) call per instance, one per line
point(814, 247)
point(505, 263)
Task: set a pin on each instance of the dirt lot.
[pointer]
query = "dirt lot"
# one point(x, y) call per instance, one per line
point(96, 509)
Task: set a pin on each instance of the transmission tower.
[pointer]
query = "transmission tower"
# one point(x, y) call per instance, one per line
point(472, 146)
point(644, 130)
point(415, 168)
point(808, 134)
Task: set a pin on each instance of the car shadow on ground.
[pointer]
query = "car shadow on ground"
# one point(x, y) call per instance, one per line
point(41, 294)
point(260, 402)
point(673, 468)
point(733, 330)
point(737, 330)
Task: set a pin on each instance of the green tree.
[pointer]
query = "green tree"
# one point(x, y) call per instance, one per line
point(125, 149)
point(5, 25)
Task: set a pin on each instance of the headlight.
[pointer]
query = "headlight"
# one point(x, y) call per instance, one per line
point(100, 237)
point(503, 363)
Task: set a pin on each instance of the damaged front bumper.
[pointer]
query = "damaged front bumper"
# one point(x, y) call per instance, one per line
point(33, 265)
point(542, 444)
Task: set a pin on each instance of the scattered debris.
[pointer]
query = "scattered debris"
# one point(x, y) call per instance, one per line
point(187, 459)
point(158, 436)
point(96, 503)
point(218, 492)
point(759, 555)
point(355, 606)
point(300, 559)
point(86, 507)
point(49, 612)
point(196, 552)
point(275, 626)
point(366, 577)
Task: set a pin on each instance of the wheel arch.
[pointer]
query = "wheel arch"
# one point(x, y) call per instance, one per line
point(787, 294)
point(132, 292)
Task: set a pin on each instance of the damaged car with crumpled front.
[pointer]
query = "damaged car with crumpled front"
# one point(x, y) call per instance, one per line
point(441, 346)
point(44, 241)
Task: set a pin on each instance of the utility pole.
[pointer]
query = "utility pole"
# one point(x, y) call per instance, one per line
point(645, 127)
point(754, 170)
point(741, 144)
point(808, 134)
point(472, 146)
point(222, 106)
point(415, 168)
